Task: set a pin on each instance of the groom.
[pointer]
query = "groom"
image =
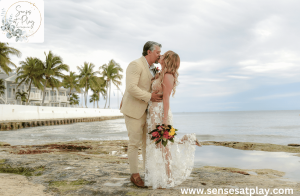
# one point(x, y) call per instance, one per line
point(134, 104)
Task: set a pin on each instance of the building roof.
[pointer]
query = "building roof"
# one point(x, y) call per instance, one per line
point(6, 77)
point(11, 78)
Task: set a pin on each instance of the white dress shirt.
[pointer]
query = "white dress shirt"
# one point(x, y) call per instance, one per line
point(151, 68)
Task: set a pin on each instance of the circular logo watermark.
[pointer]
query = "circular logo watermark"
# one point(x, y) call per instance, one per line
point(21, 20)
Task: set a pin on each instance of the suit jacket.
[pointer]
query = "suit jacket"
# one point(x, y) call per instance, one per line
point(138, 89)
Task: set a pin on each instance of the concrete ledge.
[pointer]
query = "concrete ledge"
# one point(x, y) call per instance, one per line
point(21, 112)
point(11, 125)
point(20, 116)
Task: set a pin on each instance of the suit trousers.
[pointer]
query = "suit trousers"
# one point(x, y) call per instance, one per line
point(137, 131)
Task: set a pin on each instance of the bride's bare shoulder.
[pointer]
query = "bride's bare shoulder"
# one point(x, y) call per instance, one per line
point(168, 77)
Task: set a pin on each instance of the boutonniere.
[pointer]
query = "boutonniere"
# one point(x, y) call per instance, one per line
point(156, 69)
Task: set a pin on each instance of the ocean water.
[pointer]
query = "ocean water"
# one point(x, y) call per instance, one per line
point(277, 127)
point(221, 156)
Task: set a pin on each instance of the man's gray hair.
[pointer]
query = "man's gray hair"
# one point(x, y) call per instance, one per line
point(149, 45)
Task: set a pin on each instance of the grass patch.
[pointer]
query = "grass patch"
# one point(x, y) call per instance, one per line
point(65, 186)
point(137, 193)
point(98, 152)
point(4, 168)
point(39, 171)
point(255, 146)
point(4, 144)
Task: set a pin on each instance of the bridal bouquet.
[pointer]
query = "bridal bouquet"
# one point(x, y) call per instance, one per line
point(163, 133)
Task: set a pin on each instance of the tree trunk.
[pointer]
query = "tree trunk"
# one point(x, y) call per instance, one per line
point(106, 94)
point(23, 99)
point(86, 94)
point(44, 92)
point(98, 100)
point(83, 98)
point(70, 94)
point(109, 94)
point(29, 89)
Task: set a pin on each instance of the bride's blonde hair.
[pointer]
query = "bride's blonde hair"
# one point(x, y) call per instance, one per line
point(172, 62)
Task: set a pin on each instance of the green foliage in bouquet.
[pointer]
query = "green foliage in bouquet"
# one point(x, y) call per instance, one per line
point(163, 133)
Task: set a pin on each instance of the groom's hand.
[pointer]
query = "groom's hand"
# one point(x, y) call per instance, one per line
point(156, 97)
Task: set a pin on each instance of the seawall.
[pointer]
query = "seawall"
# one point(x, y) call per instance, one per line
point(20, 116)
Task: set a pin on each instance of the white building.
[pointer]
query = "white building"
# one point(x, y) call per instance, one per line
point(54, 98)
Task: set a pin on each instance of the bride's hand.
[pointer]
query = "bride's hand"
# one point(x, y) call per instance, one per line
point(155, 97)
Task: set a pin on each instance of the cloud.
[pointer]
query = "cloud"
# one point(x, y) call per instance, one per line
point(227, 48)
point(277, 96)
point(239, 77)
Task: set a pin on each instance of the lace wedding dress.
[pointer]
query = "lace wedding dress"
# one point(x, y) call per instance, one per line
point(168, 166)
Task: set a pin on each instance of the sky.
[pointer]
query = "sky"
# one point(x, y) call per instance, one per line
point(236, 55)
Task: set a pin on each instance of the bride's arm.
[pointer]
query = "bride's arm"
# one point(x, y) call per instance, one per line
point(168, 82)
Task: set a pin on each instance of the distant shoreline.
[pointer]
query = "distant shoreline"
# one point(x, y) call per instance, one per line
point(237, 111)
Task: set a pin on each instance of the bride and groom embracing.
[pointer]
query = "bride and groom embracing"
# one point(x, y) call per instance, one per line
point(146, 104)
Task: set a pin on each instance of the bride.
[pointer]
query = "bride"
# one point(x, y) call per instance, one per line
point(168, 166)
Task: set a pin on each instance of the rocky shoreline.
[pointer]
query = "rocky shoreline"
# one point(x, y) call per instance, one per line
point(101, 168)
point(291, 148)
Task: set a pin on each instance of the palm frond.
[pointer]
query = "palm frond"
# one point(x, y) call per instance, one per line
point(5, 61)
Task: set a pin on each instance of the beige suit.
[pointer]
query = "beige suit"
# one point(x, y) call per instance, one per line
point(134, 105)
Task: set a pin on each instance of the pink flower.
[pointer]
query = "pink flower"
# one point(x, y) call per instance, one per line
point(160, 128)
point(155, 134)
point(166, 134)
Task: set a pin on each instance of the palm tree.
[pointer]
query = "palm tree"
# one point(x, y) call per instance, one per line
point(52, 69)
point(112, 74)
point(22, 95)
point(105, 83)
point(87, 77)
point(5, 61)
point(99, 88)
point(94, 98)
point(2, 87)
point(71, 81)
point(30, 72)
point(74, 99)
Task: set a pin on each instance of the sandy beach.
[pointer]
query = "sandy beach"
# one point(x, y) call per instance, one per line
point(101, 168)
